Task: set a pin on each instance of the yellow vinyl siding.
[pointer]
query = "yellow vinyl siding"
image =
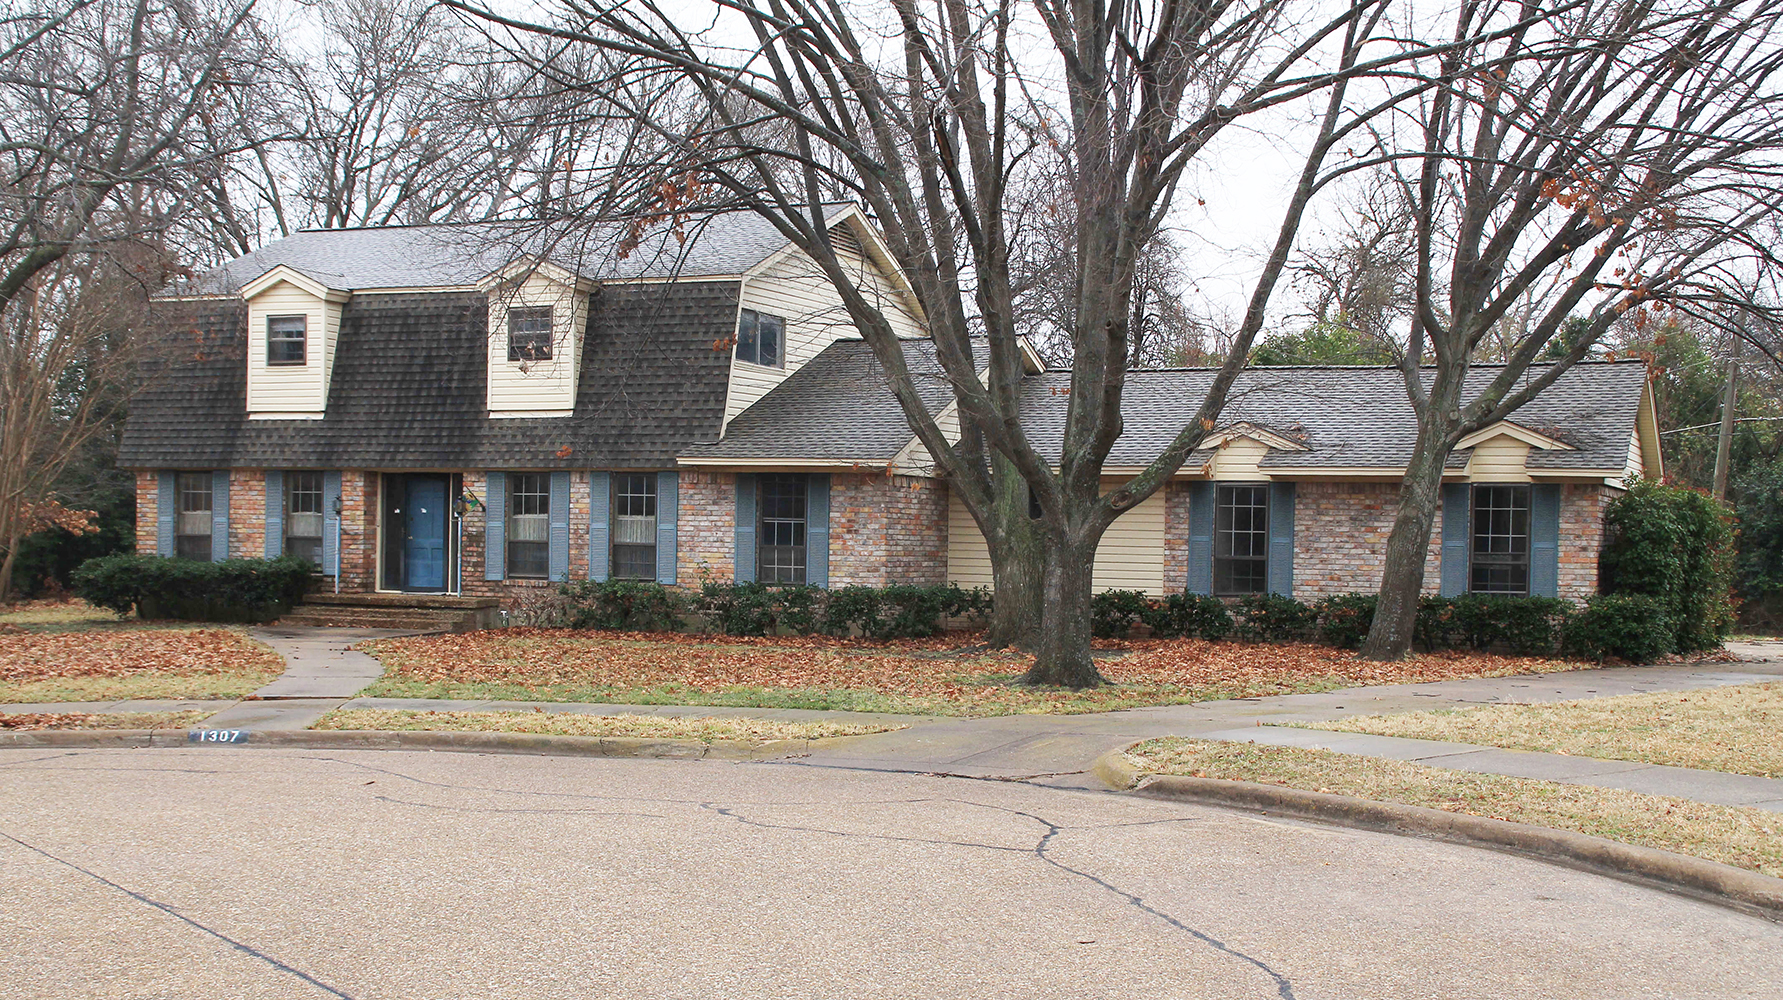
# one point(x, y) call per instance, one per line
point(1635, 466)
point(1131, 556)
point(796, 289)
point(1502, 459)
point(291, 388)
point(545, 386)
point(1237, 459)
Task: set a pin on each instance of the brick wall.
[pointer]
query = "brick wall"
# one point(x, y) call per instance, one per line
point(247, 513)
point(887, 529)
point(705, 532)
point(1340, 539)
point(148, 508)
point(1176, 537)
point(1581, 537)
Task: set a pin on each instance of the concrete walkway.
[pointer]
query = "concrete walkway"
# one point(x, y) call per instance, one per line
point(322, 671)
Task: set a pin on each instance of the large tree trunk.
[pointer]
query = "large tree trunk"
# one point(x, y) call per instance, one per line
point(1018, 564)
point(1064, 654)
point(1402, 578)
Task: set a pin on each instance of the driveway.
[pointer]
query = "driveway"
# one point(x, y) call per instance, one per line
point(277, 873)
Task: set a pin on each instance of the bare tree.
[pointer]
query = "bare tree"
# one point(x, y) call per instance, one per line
point(102, 148)
point(1624, 154)
point(930, 115)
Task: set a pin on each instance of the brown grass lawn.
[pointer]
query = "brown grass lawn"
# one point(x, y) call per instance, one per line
point(1717, 729)
point(575, 724)
point(1732, 835)
point(98, 720)
point(926, 677)
point(71, 652)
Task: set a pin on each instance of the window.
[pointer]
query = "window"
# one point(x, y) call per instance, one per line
point(1241, 540)
point(781, 549)
point(634, 525)
point(285, 337)
point(1500, 563)
point(529, 529)
point(303, 515)
point(192, 526)
point(529, 334)
point(760, 338)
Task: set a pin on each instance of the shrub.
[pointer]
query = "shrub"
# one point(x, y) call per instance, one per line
point(1344, 619)
point(234, 590)
point(1436, 626)
point(629, 605)
point(849, 609)
point(1113, 612)
point(1189, 615)
point(737, 608)
point(1674, 545)
point(1627, 626)
point(1528, 625)
point(1273, 617)
point(799, 609)
point(907, 611)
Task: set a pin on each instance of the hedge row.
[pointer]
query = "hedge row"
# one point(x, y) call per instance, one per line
point(234, 590)
point(900, 611)
point(1629, 627)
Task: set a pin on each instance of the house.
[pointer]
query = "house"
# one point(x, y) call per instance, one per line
point(478, 410)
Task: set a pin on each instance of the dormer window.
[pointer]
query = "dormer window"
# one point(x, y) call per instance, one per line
point(760, 338)
point(285, 339)
point(529, 334)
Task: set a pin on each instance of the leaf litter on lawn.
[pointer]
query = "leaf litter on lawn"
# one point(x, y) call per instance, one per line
point(934, 675)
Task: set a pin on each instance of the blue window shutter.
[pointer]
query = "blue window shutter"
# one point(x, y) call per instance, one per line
point(1281, 539)
point(219, 515)
point(1544, 540)
point(166, 483)
point(275, 513)
point(1200, 572)
point(668, 509)
point(1457, 500)
point(745, 547)
point(331, 523)
point(557, 566)
point(600, 525)
point(495, 527)
point(817, 530)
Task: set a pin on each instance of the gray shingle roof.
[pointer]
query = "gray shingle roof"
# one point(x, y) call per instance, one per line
point(1348, 417)
point(837, 407)
point(461, 255)
point(408, 388)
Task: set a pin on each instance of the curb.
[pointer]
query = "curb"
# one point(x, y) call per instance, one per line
point(451, 742)
point(1724, 885)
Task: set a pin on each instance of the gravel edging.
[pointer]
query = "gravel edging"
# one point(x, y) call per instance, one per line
point(1736, 888)
point(449, 741)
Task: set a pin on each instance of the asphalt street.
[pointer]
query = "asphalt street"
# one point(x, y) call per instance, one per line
point(243, 873)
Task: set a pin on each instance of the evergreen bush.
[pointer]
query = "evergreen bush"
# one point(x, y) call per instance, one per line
point(1189, 615)
point(1630, 627)
point(1344, 619)
point(627, 605)
point(234, 590)
point(1114, 612)
point(1273, 617)
point(1674, 545)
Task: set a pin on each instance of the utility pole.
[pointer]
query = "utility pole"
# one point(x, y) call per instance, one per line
point(1724, 440)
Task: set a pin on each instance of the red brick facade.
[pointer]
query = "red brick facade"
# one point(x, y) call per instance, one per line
point(893, 529)
point(1340, 539)
point(887, 529)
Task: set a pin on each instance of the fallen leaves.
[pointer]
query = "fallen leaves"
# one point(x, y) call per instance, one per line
point(931, 676)
point(22, 721)
point(103, 664)
point(576, 724)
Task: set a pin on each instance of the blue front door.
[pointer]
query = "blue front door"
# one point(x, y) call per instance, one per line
point(424, 535)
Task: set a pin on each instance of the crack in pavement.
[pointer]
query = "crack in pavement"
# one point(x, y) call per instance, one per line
point(1283, 986)
point(490, 809)
point(246, 949)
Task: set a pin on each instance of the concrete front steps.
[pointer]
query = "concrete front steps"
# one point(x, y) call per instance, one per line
point(428, 612)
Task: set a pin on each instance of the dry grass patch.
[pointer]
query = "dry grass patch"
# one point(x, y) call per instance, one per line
point(99, 720)
point(1730, 729)
point(54, 616)
point(126, 661)
point(575, 724)
point(1732, 835)
point(925, 677)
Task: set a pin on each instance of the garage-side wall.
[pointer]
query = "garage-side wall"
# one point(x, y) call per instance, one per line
point(886, 530)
